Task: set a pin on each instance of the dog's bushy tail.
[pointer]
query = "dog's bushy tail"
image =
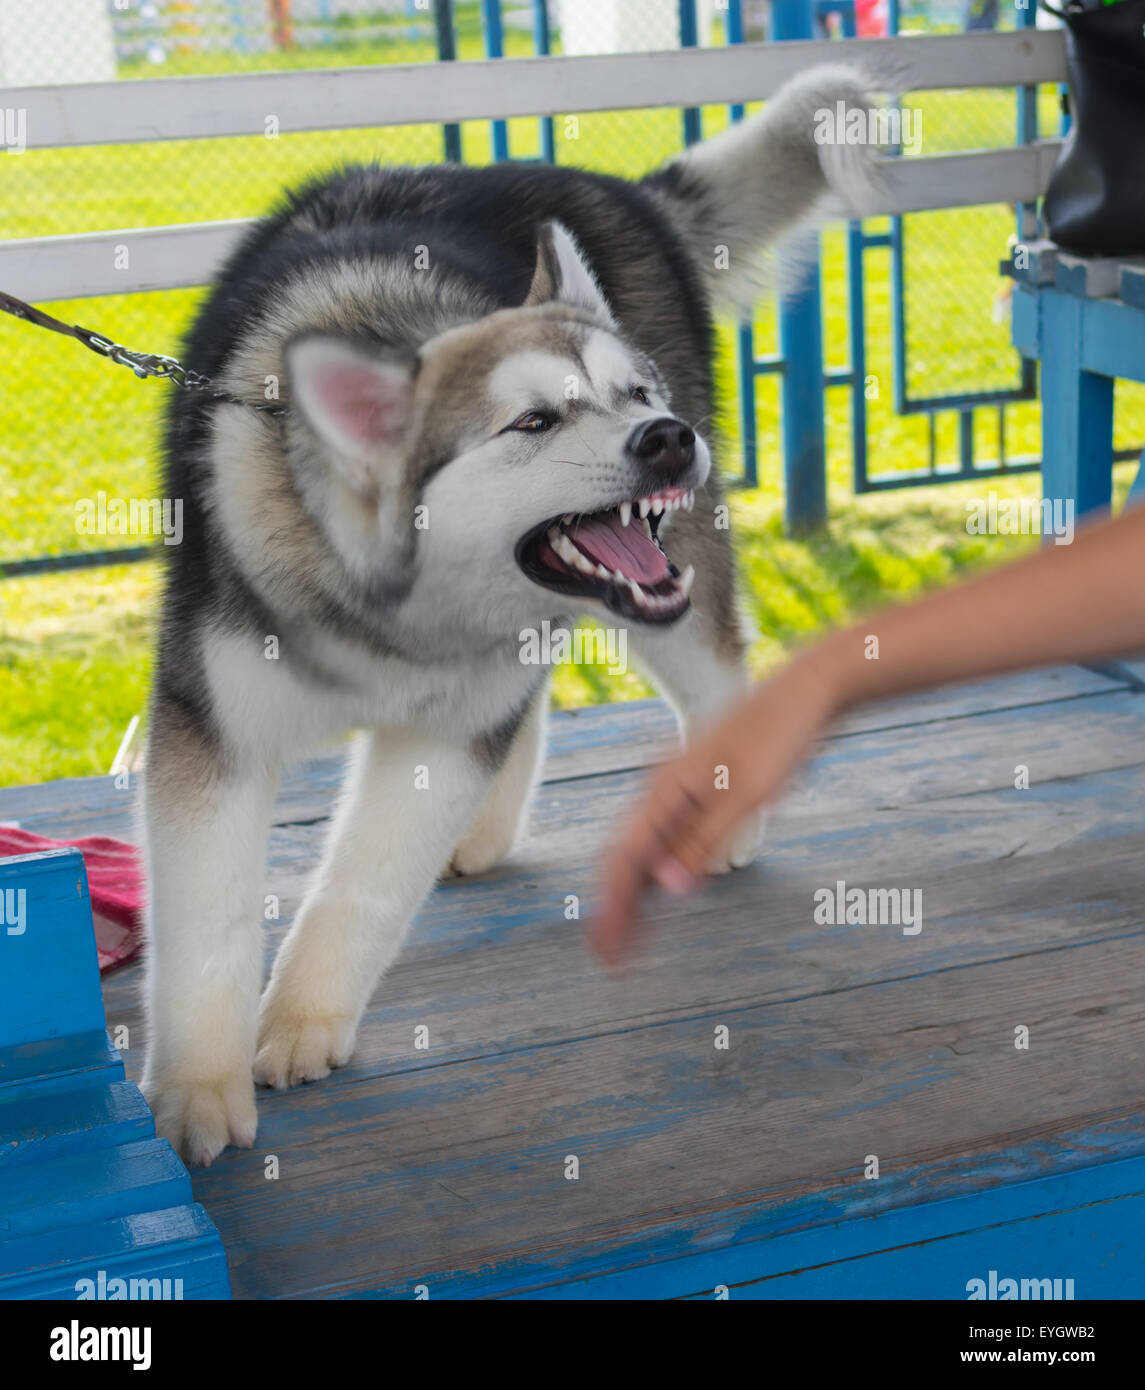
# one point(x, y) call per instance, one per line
point(732, 198)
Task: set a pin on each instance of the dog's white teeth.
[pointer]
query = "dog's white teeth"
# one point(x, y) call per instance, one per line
point(689, 500)
point(657, 506)
point(567, 520)
point(575, 557)
point(687, 579)
point(644, 507)
point(621, 578)
point(553, 536)
point(603, 572)
point(625, 513)
point(648, 530)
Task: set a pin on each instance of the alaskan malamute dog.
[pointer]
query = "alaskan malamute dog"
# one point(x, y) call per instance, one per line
point(496, 384)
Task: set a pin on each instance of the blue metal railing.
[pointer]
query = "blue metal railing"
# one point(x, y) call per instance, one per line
point(495, 48)
point(806, 475)
point(964, 403)
point(542, 44)
point(690, 38)
point(798, 362)
point(447, 53)
point(801, 349)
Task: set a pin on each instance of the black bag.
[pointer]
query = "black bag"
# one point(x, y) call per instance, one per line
point(1095, 204)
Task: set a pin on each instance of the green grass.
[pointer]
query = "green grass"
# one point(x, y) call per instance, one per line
point(74, 648)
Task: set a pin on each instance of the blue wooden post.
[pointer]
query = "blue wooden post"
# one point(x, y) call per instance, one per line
point(542, 43)
point(1077, 411)
point(495, 48)
point(733, 33)
point(745, 337)
point(447, 53)
point(746, 372)
point(49, 971)
point(801, 346)
point(857, 316)
point(689, 38)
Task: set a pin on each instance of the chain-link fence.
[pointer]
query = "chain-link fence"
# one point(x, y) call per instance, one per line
point(70, 426)
point(953, 332)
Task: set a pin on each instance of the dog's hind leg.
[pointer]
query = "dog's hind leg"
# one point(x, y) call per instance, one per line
point(408, 798)
point(498, 823)
point(205, 830)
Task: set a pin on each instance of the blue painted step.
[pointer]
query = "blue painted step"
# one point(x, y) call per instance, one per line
point(36, 1127)
point(59, 1063)
point(1091, 1252)
point(87, 1193)
point(177, 1243)
point(1084, 1225)
point(49, 983)
point(78, 1188)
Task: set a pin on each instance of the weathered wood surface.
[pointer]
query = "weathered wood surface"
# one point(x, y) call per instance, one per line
point(584, 742)
point(446, 1167)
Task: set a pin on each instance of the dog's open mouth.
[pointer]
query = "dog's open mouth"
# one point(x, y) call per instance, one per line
point(614, 556)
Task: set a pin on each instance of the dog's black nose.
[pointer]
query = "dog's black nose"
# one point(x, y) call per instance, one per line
point(667, 445)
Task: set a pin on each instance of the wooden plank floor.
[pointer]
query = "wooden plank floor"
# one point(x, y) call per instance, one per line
point(448, 1167)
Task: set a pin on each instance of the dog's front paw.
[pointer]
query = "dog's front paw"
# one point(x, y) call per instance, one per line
point(200, 1116)
point(294, 1047)
point(742, 846)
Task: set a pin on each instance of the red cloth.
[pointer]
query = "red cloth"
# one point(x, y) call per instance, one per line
point(115, 881)
point(871, 18)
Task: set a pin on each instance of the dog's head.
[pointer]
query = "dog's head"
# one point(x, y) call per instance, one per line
point(526, 454)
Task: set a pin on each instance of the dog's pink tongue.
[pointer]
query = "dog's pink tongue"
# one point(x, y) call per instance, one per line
point(623, 548)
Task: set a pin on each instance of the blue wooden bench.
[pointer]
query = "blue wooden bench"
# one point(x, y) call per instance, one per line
point(1084, 319)
point(444, 1170)
point(92, 1204)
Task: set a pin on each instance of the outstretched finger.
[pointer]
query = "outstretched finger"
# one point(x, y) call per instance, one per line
point(636, 860)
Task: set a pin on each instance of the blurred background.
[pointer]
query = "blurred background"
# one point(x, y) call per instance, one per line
point(932, 319)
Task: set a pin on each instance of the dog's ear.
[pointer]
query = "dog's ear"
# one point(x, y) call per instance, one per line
point(563, 276)
point(358, 405)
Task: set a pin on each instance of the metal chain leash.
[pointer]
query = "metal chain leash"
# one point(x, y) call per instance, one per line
point(143, 364)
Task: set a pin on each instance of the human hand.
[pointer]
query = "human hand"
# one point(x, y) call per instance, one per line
point(694, 802)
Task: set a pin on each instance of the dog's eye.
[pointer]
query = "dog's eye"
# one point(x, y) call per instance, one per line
point(639, 395)
point(533, 421)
